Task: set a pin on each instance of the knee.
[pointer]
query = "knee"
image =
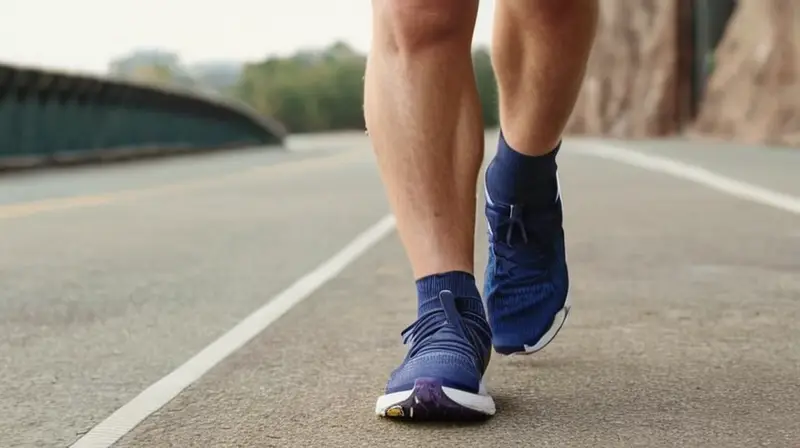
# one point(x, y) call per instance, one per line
point(412, 25)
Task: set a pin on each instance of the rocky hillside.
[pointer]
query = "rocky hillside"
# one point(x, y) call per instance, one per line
point(639, 81)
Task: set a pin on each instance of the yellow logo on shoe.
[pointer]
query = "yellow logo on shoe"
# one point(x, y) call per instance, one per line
point(396, 411)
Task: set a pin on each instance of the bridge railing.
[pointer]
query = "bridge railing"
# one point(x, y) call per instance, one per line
point(48, 116)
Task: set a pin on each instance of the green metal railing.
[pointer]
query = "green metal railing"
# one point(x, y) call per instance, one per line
point(45, 115)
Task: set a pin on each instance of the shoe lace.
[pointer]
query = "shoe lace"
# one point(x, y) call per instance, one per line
point(514, 221)
point(508, 247)
point(419, 335)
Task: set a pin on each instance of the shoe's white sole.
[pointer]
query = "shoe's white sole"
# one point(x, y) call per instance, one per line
point(429, 400)
point(558, 322)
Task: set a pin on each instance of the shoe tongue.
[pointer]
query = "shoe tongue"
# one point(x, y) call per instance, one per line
point(448, 301)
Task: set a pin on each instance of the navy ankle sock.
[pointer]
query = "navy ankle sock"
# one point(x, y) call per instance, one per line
point(461, 284)
point(516, 178)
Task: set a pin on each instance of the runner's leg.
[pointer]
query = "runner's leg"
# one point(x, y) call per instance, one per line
point(423, 116)
point(540, 51)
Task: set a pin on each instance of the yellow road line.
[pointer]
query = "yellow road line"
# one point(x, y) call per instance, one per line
point(278, 170)
point(32, 208)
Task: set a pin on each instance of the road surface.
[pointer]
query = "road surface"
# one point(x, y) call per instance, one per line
point(684, 332)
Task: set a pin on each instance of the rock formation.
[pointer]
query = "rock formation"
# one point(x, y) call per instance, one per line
point(631, 87)
point(753, 94)
point(638, 83)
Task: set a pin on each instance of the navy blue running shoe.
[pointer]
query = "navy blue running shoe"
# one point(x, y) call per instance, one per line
point(527, 281)
point(441, 377)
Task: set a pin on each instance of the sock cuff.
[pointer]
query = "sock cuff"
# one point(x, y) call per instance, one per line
point(513, 177)
point(506, 155)
point(461, 284)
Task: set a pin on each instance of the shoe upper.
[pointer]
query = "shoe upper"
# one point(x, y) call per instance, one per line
point(451, 343)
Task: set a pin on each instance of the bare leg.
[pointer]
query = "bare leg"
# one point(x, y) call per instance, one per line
point(423, 116)
point(422, 112)
point(539, 51)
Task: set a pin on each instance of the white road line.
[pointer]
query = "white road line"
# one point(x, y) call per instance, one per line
point(124, 419)
point(685, 171)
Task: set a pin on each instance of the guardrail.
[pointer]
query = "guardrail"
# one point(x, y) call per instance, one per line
point(50, 117)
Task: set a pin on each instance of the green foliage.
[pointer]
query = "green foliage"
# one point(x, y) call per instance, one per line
point(323, 91)
point(487, 88)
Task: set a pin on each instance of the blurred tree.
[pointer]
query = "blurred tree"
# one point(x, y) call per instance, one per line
point(323, 90)
point(487, 88)
point(165, 68)
point(152, 74)
point(129, 64)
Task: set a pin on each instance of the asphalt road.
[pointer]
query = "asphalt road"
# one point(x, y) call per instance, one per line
point(684, 330)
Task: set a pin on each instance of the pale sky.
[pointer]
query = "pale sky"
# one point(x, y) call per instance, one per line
point(83, 35)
